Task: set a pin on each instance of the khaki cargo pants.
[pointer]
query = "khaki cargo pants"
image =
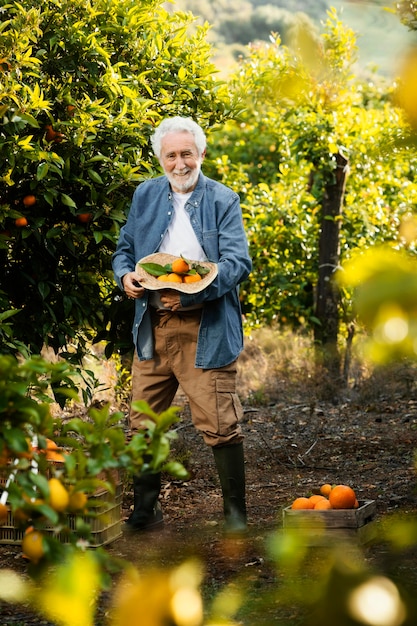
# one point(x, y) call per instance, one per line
point(214, 404)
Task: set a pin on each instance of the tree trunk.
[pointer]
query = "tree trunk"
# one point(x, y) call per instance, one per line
point(328, 293)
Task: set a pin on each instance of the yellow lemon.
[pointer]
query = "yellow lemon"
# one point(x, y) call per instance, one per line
point(77, 501)
point(58, 495)
point(32, 545)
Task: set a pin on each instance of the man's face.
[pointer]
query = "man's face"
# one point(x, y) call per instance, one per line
point(180, 161)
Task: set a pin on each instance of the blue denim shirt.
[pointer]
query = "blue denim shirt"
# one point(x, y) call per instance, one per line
point(216, 218)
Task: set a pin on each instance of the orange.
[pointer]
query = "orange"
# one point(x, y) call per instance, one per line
point(179, 266)
point(4, 511)
point(84, 218)
point(29, 200)
point(21, 221)
point(32, 545)
point(342, 497)
point(322, 505)
point(170, 278)
point(50, 133)
point(325, 489)
point(191, 278)
point(316, 498)
point(302, 503)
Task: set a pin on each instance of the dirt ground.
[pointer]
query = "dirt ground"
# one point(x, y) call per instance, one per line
point(292, 446)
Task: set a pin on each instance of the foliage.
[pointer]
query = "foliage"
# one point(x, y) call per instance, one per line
point(82, 86)
point(302, 105)
point(330, 584)
point(407, 10)
point(93, 452)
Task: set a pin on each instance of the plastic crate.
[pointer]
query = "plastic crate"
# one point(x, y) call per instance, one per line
point(321, 527)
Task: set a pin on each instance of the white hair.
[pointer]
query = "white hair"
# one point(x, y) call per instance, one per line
point(175, 125)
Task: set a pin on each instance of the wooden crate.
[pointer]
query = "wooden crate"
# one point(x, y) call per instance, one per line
point(321, 527)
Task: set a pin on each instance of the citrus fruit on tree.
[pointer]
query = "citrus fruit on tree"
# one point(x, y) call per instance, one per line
point(77, 501)
point(342, 497)
point(29, 200)
point(84, 218)
point(179, 266)
point(32, 545)
point(302, 503)
point(58, 495)
point(21, 222)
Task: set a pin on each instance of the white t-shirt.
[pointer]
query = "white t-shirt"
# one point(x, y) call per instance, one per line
point(180, 239)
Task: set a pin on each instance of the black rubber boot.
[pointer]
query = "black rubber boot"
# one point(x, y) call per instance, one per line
point(231, 469)
point(147, 512)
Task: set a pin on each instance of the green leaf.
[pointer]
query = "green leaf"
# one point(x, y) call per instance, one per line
point(42, 170)
point(67, 200)
point(155, 269)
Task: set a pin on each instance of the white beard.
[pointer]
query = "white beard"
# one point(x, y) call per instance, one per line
point(184, 181)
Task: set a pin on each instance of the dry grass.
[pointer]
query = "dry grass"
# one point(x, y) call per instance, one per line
point(280, 366)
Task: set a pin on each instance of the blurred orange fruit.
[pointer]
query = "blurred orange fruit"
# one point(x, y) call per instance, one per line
point(4, 511)
point(342, 497)
point(302, 503)
point(21, 222)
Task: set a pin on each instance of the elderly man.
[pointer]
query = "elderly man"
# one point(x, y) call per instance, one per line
point(192, 338)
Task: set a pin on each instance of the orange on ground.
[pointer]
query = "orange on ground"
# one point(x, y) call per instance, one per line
point(179, 266)
point(21, 221)
point(322, 505)
point(342, 497)
point(29, 200)
point(191, 278)
point(316, 498)
point(302, 503)
point(325, 489)
point(32, 545)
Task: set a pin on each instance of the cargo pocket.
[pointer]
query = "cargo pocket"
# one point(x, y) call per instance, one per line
point(229, 407)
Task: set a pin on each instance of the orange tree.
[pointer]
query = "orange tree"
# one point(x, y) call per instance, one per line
point(82, 85)
point(303, 104)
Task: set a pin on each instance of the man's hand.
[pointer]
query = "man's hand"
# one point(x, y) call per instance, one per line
point(131, 285)
point(170, 299)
